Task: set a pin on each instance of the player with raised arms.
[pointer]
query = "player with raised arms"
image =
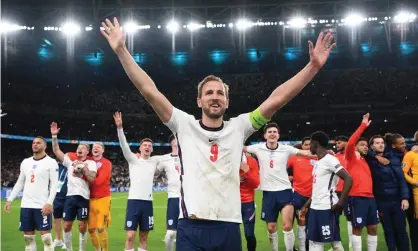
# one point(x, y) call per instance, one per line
point(275, 184)
point(210, 149)
point(324, 205)
point(170, 164)
point(81, 172)
point(139, 211)
point(39, 180)
point(100, 200)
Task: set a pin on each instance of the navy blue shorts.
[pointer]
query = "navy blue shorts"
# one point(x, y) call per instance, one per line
point(298, 200)
point(76, 206)
point(59, 208)
point(248, 217)
point(173, 212)
point(31, 219)
point(193, 235)
point(363, 211)
point(347, 209)
point(139, 213)
point(273, 203)
point(323, 226)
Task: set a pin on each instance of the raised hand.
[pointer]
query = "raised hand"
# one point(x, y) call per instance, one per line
point(366, 119)
point(118, 119)
point(323, 47)
point(113, 34)
point(54, 129)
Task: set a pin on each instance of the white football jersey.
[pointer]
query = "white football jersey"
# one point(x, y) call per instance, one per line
point(171, 165)
point(39, 181)
point(210, 159)
point(141, 171)
point(76, 185)
point(324, 182)
point(273, 165)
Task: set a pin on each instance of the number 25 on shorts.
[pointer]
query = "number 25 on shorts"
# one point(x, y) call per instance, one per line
point(214, 153)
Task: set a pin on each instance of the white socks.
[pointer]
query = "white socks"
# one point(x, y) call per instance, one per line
point(47, 240)
point(30, 243)
point(68, 241)
point(169, 239)
point(302, 238)
point(371, 243)
point(289, 240)
point(337, 246)
point(274, 241)
point(83, 241)
point(129, 249)
point(140, 249)
point(356, 241)
point(316, 246)
point(350, 233)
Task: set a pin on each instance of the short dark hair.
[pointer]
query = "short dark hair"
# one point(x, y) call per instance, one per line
point(298, 146)
point(41, 138)
point(145, 140)
point(270, 125)
point(341, 138)
point(305, 139)
point(362, 139)
point(393, 137)
point(171, 138)
point(371, 141)
point(416, 137)
point(320, 137)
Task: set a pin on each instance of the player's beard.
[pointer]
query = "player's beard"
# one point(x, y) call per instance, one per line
point(214, 115)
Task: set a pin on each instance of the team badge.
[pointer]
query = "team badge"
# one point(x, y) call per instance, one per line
point(359, 220)
point(129, 223)
point(99, 164)
point(313, 162)
point(170, 222)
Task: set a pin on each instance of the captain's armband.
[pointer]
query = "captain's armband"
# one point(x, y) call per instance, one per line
point(257, 119)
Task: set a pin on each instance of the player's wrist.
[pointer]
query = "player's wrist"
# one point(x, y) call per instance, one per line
point(54, 136)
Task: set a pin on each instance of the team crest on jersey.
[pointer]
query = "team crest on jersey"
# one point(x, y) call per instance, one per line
point(129, 223)
point(170, 222)
point(99, 164)
point(313, 162)
point(359, 220)
point(34, 166)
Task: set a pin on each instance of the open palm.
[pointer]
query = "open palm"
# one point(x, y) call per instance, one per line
point(54, 128)
point(113, 34)
point(118, 119)
point(323, 47)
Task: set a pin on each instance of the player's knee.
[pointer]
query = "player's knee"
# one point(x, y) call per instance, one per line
point(68, 228)
point(92, 230)
point(100, 230)
point(357, 231)
point(82, 227)
point(272, 227)
point(130, 236)
point(372, 230)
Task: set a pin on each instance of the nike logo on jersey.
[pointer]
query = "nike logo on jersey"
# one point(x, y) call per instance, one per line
point(211, 140)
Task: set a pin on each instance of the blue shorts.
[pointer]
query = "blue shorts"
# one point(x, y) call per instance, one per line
point(248, 217)
point(273, 202)
point(173, 212)
point(363, 211)
point(139, 213)
point(76, 206)
point(208, 235)
point(323, 226)
point(31, 219)
point(298, 200)
point(59, 208)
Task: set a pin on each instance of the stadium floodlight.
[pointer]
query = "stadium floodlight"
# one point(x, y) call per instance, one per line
point(243, 24)
point(192, 26)
point(404, 17)
point(71, 29)
point(130, 27)
point(173, 26)
point(6, 27)
point(297, 22)
point(354, 19)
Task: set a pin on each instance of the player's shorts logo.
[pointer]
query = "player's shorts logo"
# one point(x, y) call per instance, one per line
point(129, 223)
point(170, 222)
point(263, 215)
point(359, 220)
point(63, 215)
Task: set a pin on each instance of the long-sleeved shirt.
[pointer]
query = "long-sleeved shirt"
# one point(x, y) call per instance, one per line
point(388, 180)
point(251, 180)
point(358, 167)
point(39, 180)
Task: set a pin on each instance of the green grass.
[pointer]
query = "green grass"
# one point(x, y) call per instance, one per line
point(12, 239)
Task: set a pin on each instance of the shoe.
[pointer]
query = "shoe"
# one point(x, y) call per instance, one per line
point(58, 243)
